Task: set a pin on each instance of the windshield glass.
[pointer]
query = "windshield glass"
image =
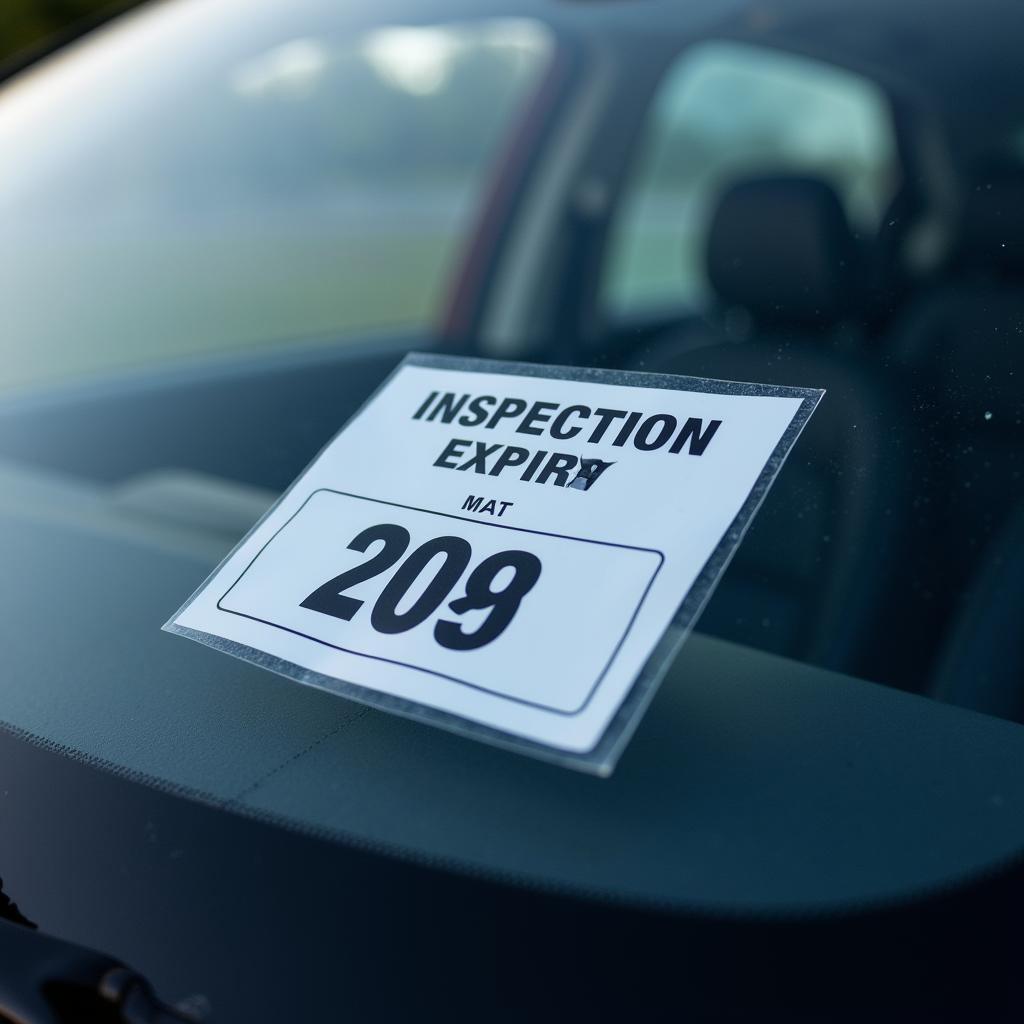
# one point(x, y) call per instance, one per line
point(308, 190)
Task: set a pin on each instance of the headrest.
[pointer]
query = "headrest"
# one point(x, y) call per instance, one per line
point(782, 248)
point(992, 224)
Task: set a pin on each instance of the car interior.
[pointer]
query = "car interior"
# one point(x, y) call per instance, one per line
point(885, 547)
point(891, 275)
point(793, 193)
point(790, 192)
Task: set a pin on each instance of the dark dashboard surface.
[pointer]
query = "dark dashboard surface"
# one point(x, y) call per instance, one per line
point(280, 849)
point(754, 783)
point(269, 924)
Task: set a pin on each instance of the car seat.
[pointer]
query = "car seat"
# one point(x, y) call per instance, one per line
point(814, 577)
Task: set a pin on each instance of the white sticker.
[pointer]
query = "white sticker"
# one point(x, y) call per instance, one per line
point(507, 550)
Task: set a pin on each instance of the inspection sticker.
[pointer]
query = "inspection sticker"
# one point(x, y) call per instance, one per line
point(511, 551)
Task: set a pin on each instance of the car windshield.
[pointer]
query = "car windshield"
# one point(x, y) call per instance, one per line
point(224, 221)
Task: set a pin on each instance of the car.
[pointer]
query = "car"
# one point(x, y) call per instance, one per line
point(226, 222)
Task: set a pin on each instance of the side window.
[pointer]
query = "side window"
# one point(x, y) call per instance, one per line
point(299, 181)
point(726, 111)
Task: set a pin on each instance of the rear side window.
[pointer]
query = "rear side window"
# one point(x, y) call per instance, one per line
point(292, 176)
point(723, 112)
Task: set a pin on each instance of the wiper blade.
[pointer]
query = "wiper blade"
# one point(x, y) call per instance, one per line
point(46, 980)
point(9, 909)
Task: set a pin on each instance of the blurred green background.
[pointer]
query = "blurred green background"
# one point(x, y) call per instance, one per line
point(300, 178)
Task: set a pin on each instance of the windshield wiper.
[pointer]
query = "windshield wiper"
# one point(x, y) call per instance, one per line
point(46, 980)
